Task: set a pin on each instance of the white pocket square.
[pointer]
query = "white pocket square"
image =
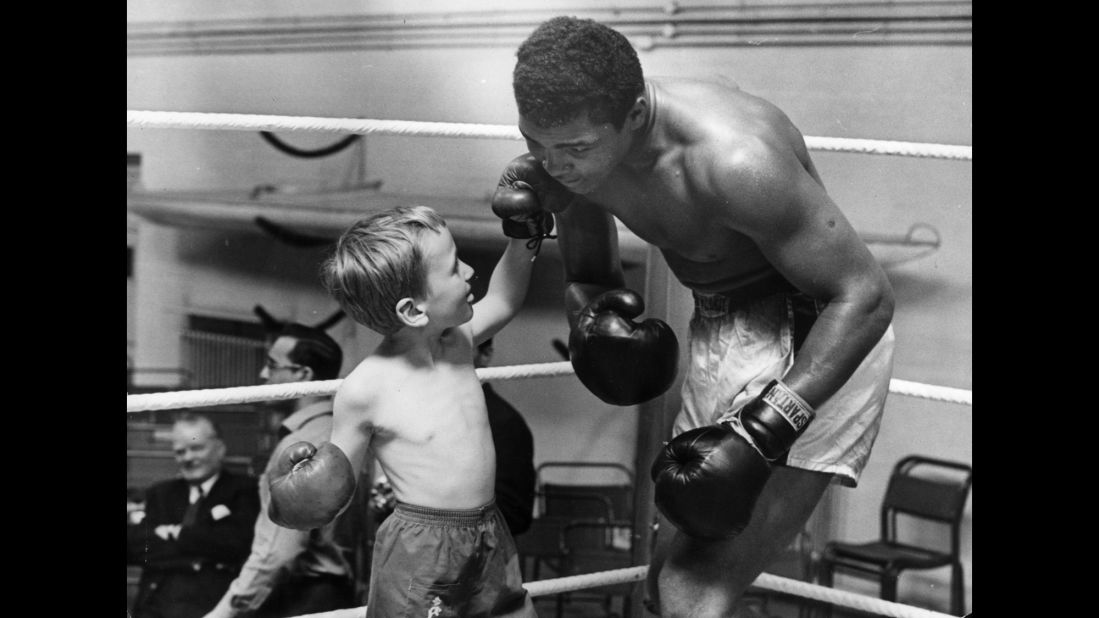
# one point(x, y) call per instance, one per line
point(220, 511)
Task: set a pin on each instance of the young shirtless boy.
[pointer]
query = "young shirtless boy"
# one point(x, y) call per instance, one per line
point(416, 403)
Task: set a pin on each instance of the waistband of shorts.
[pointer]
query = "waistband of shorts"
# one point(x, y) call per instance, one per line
point(732, 300)
point(447, 517)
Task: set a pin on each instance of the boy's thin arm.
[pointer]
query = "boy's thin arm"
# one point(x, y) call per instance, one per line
point(350, 425)
point(507, 289)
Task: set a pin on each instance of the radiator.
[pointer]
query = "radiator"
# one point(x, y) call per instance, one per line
point(217, 361)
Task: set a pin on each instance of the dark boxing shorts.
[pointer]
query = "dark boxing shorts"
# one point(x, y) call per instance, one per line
point(434, 563)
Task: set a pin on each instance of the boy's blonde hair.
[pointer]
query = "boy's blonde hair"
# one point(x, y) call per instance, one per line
point(377, 262)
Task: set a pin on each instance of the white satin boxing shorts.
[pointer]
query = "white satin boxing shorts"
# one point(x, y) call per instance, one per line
point(736, 351)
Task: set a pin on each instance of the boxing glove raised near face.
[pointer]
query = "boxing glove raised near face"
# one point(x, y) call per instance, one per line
point(310, 486)
point(620, 361)
point(526, 198)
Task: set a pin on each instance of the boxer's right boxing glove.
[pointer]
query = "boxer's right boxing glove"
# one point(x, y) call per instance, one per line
point(526, 198)
point(310, 486)
point(621, 361)
point(709, 478)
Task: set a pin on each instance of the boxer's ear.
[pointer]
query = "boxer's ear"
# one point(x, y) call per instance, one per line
point(638, 114)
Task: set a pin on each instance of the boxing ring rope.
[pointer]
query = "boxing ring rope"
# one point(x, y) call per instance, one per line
point(244, 394)
point(294, 390)
point(272, 392)
point(142, 119)
point(765, 580)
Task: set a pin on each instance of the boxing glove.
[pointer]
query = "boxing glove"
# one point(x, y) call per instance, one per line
point(310, 486)
point(620, 361)
point(708, 479)
point(526, 198)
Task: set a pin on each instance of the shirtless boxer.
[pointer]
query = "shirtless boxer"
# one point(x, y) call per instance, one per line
point(790, 343)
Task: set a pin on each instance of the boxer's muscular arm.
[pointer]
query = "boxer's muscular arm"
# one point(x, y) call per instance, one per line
point(588, 240)
point(769, 195)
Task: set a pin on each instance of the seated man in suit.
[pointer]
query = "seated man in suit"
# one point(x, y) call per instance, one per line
point(197, 529)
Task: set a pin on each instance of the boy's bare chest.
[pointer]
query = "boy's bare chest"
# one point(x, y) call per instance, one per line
point(425, 407)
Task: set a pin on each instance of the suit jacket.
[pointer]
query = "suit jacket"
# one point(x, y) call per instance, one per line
point(514, 461)
point(222, 532)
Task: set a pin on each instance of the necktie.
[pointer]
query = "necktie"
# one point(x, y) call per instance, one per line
point(192, 509)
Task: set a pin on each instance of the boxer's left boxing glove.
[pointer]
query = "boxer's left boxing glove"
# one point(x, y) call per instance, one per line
point(310, 486)
point(621, 361)
point(707, 480)
point(526, 198)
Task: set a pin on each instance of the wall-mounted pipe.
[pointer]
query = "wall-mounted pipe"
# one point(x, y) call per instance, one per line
point(756, 24)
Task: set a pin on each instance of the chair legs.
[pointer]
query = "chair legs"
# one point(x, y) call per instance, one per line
point(957, 589)
point(824, 578)
point(889, 585)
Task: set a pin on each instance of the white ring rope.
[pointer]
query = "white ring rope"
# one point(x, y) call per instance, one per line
point(765, 581)
point(844, 598)
point(937, 393)
point(144, 119)
point(243, 394)
point(588, 580)
point(294, 390)
point(272, 392)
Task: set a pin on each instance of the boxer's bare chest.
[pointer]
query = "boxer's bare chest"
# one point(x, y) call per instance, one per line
point(660, 206)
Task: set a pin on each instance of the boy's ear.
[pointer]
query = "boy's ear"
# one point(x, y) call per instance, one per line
point(410, 314)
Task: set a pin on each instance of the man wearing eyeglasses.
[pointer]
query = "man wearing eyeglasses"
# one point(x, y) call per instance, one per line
point(292, 572)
